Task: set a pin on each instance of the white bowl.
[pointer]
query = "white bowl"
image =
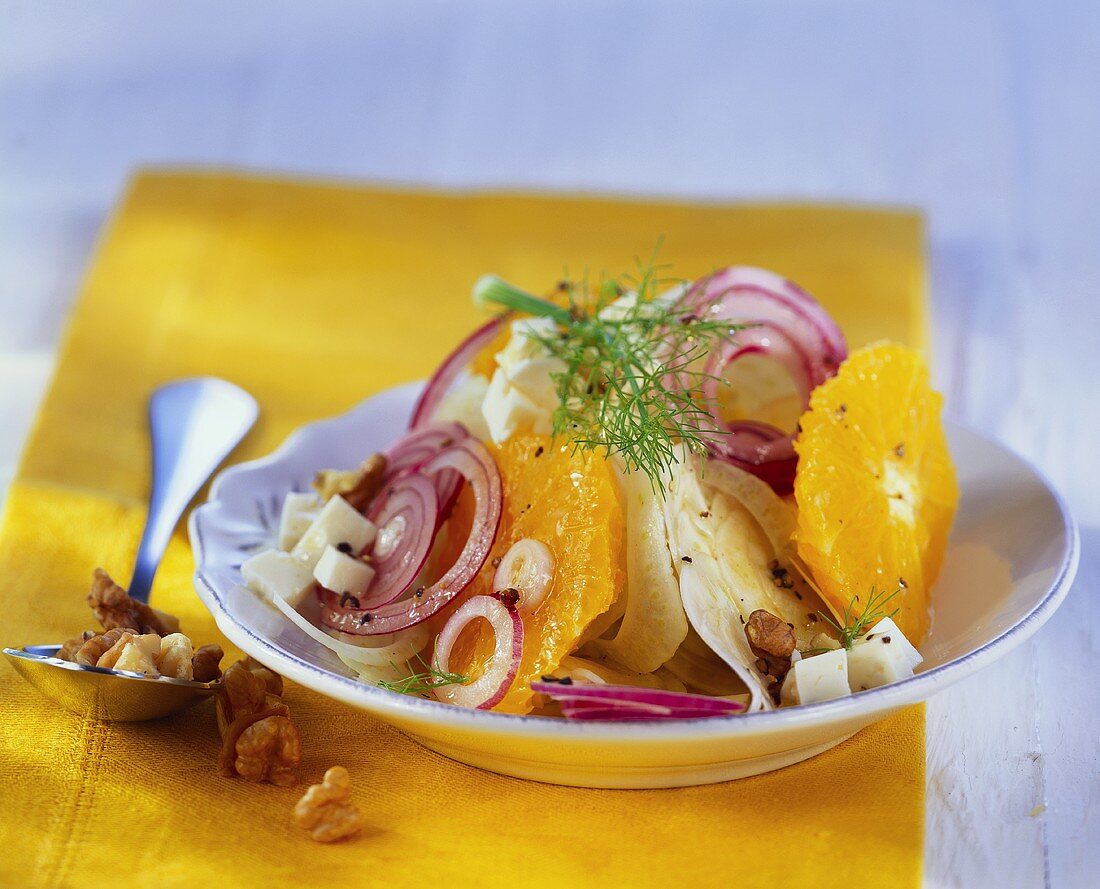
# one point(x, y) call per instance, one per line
point(1012, 558)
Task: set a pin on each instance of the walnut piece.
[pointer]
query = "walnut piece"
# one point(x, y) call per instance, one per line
point(269, 749)
point(114, 608)
point(772, 640)
point(358, 486)
point(259, 742)
point(69, 650)
point(205, 663)
point(273, 682)
point(96, 646)
point(326, 811)
point(138, 655)
point(174, 657)
point(141, 639)
point(242, 694)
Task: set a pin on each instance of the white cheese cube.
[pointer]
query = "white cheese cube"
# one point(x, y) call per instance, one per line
point(821, 677)
point(342, 573)
point(886, 625)
point(275, 574)
point(884, 655)
point(338, 522)
point(299, 511)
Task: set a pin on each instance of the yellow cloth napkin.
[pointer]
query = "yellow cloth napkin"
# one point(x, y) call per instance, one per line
point(312, 297)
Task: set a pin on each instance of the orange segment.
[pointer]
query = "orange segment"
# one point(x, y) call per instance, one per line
point(876, 487)
point(570, 502)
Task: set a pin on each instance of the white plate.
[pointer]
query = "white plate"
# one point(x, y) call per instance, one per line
point(1013, 555)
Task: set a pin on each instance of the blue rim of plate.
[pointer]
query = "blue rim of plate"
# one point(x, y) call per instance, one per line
point(872, 701)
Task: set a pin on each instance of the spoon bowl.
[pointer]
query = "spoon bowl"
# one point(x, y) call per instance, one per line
point(100, 693)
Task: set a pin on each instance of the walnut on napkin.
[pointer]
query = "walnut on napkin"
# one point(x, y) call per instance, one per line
point(259, 740)
point(326, 810)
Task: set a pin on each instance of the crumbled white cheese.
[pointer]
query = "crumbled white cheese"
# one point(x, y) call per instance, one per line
point(522, 395)
point(507, 410)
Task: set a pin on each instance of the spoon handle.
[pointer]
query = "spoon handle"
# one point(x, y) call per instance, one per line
point(193, 425)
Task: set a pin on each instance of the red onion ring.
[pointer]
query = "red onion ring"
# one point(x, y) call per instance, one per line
point(420, 446)
point(789, 326)
point(624, 702)
point(471, 460)
point(411, 502)
point(447, 372)
point(489, 689)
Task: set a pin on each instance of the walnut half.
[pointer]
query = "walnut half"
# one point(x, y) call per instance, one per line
point(206, 663)
point(358, 486)
point(326, 811)
point(259, 741)
point(269, 750)
point(772, 640)
point(114, 608)
point(69, 650)
point(96, 646)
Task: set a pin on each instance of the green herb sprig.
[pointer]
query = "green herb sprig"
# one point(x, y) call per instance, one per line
point(854, 627)
point(419, 683)
point(614, 393)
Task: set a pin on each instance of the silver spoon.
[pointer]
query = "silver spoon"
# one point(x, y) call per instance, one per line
point(193, 426)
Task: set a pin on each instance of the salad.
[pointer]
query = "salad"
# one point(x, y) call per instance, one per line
point(634, 499)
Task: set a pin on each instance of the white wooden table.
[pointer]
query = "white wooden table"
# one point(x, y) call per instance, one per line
point(986, 115)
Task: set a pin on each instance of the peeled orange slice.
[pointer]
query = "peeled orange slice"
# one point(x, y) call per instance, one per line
point(875, 488)
point(570, 502)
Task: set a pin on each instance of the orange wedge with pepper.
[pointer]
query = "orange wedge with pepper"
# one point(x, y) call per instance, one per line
point(875, 488)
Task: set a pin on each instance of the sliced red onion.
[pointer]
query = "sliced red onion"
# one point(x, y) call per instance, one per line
point(490, 687)
point(445, 375)
point(474, 463)
point(789, 326)
point(528, 568)
point(419, 447)
point(619, 714)
point(625, 702)
point(406, 515)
